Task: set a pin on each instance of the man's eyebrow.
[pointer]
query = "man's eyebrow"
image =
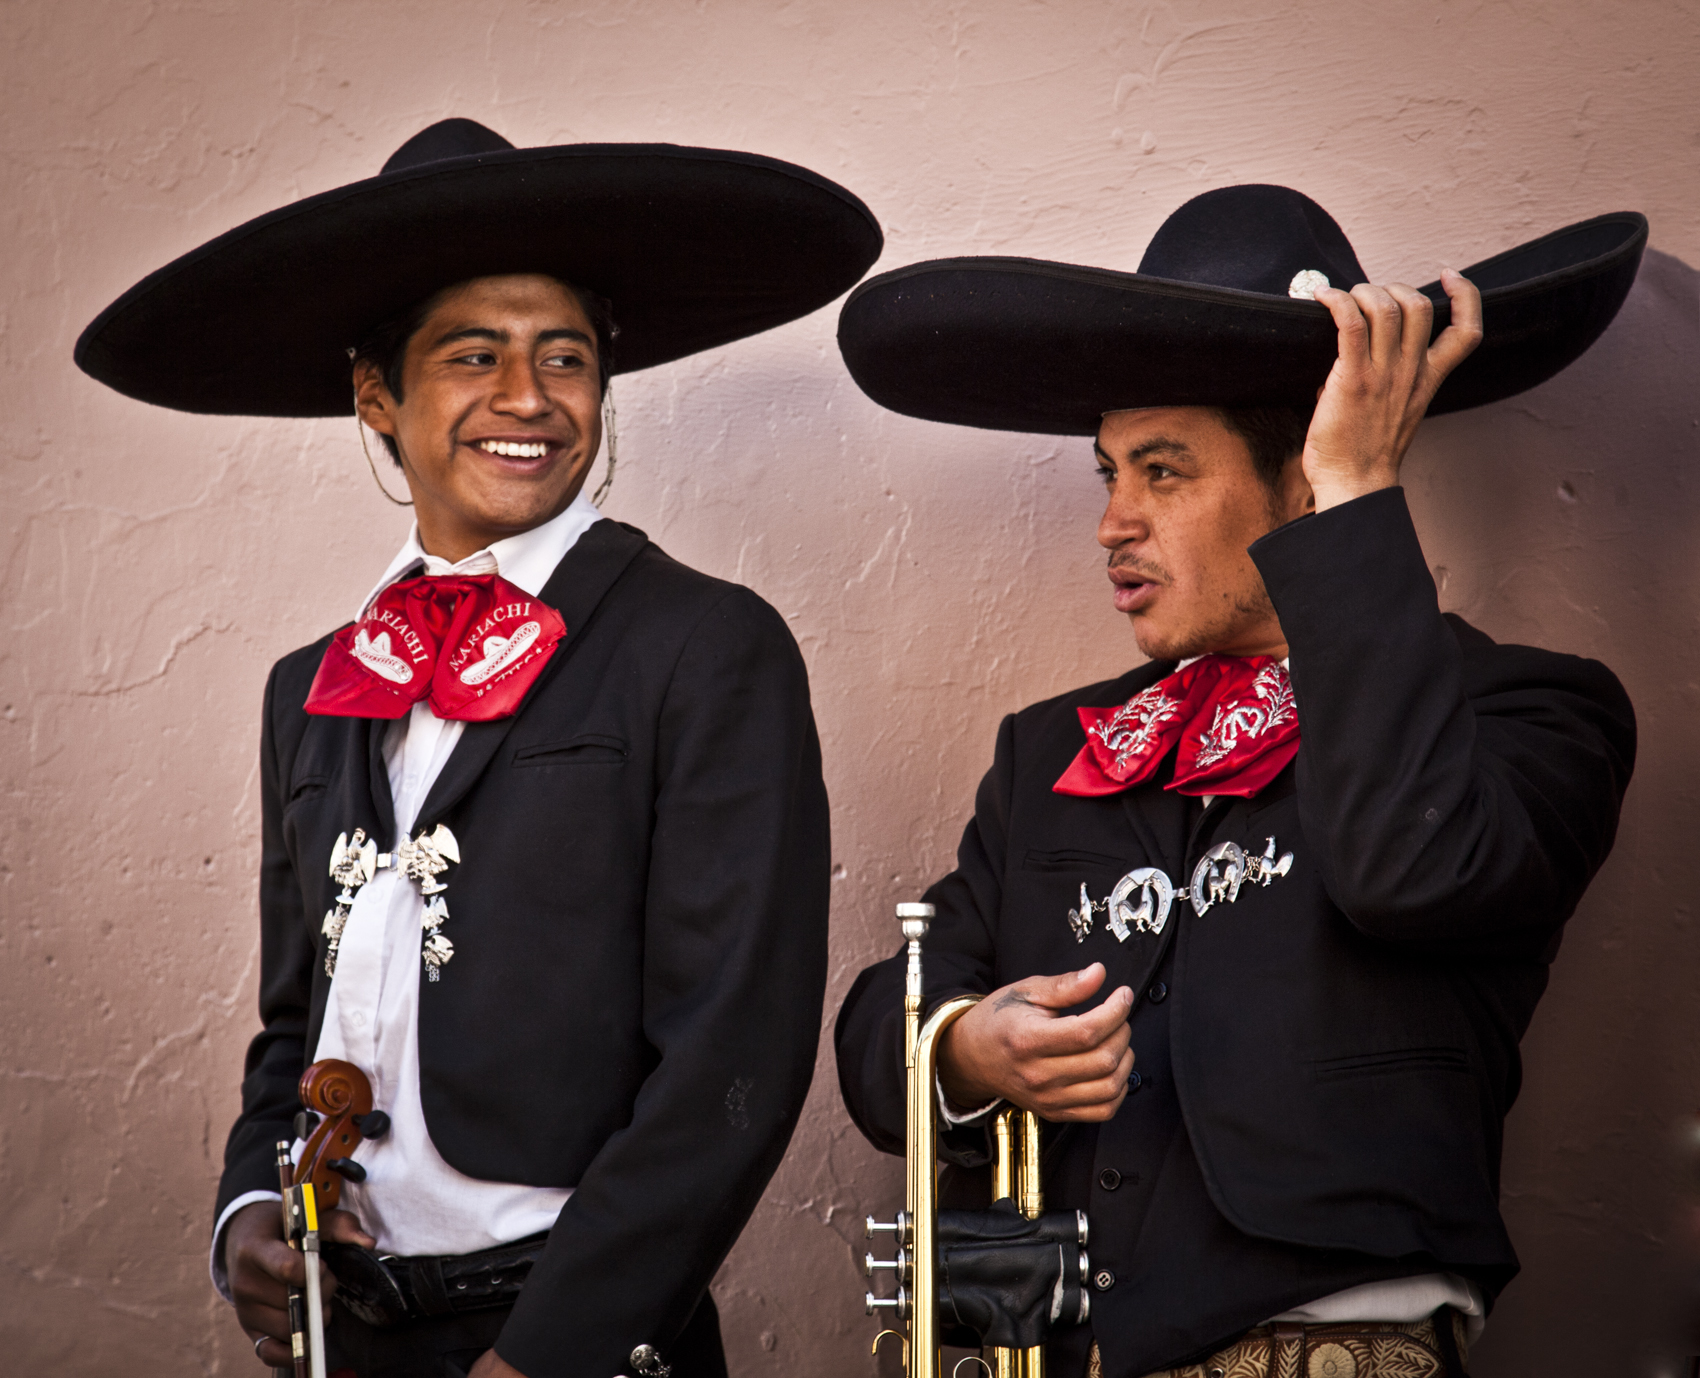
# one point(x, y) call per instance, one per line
point(1158, 445)
point(471, 332)
point(488, 332)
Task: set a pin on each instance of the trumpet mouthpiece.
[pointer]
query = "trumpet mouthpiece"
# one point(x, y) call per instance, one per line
point(916, 919)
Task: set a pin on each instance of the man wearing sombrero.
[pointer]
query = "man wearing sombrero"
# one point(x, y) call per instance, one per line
point(1259, 924)
point(544, 831)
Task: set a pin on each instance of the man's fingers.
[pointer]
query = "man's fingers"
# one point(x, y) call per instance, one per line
point(1350, 323)
point(1096, 1075)
point(1459, 340)
point(1090, 1103)
point(343, 1227)
point(275, 1353)
point(1386, 323)
point(1070, 1034)
point(1055, 992)
point(264, 1270)
point(1416, 318)
point(269, 1320)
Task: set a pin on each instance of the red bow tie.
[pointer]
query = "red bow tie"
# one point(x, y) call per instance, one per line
point(473, 643)
point(1234, 717)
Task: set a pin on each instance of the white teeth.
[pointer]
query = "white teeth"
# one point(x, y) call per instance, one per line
point(508, 450)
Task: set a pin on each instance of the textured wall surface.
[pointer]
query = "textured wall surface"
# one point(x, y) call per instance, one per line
point(154, 565)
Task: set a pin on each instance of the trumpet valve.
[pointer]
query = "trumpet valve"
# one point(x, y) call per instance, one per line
point(898, 1265)
point(898, 1304)
point(898, 1227)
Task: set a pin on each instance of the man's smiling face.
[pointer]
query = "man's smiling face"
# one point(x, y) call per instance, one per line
point(500, 415)
point(1185, 501)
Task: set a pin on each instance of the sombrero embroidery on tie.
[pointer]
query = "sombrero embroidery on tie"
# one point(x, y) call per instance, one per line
point(472, 644)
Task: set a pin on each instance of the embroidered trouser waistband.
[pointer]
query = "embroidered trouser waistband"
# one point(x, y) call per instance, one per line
point(1366, 1349)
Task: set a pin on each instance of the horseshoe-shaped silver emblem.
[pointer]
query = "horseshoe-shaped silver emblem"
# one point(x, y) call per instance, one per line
point(1156, 895)
point(1218, 876)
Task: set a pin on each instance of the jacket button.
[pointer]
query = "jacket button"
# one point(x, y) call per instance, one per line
point(1134, 1082)
point(1103, 1279)
point(1158, 993)
point(1109, 1179)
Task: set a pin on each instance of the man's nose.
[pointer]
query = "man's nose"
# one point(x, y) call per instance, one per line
point(1124, 521)
point(519, 391)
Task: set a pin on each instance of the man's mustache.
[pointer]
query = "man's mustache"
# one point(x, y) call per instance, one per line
point(1123, 562)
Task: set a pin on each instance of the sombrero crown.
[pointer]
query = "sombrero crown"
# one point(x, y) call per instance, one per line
point(694, 247)
point(1219, 314)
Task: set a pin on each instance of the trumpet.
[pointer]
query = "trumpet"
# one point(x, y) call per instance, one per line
point(1011, 1273)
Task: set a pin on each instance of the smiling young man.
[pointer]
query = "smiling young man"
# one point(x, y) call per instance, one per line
point(1259, 924)
point(583, 974)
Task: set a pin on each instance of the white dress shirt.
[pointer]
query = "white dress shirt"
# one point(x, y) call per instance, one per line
point(412, 1201)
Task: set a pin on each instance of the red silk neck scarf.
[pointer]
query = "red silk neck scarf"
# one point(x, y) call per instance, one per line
point(471, 643)
point(1233, 716)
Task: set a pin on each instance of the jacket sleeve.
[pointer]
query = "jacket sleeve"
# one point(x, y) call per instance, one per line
point(960, 959)
point(278, 1052)
point(734, 977)
point(1459, 796)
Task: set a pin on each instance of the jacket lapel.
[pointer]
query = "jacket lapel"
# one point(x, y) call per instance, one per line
point(378, 780)
point(580, 582)
point(1158, 817)
point(1161, 820)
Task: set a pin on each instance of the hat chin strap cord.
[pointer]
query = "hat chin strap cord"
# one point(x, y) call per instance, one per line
point(611, 438)
point(360, 426)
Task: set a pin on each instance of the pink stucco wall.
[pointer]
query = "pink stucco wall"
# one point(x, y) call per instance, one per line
point(154, 565)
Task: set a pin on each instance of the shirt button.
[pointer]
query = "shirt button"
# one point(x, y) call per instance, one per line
point(358, 1019)
point(1134, 1082)
point(1103, 1279)
point(1109, 1179)
point(1158, 993)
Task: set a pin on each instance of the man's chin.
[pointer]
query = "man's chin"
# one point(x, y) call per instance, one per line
point(1163, 643)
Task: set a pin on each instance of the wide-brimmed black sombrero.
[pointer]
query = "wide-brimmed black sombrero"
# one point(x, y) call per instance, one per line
point(1219, 314)
point(693, 247)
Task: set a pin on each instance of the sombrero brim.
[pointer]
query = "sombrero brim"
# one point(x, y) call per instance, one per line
point(1014, 344)
point(694, 247)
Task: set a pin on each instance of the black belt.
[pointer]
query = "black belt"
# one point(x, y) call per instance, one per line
point(387, 1289)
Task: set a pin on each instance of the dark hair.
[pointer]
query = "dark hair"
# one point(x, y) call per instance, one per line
point(385, 344)
point(1274, 435)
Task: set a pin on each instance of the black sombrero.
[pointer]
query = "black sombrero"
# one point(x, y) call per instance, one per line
point(1217, 315)
point(694, 247)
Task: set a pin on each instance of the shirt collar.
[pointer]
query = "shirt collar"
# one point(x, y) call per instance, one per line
point(1286, 661)
point(525, 561)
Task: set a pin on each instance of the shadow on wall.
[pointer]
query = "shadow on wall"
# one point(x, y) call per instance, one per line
point(1566, 518)
point(1584, 534)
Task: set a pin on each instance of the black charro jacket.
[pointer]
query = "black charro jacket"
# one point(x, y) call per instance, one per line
point(639, 928)
point(1343, 1043)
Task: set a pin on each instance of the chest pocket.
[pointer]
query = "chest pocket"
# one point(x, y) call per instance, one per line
point(1070, 861)
point(586, 749)
point(306, 788)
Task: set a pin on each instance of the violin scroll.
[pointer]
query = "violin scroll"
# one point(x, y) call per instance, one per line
point(341, 1095)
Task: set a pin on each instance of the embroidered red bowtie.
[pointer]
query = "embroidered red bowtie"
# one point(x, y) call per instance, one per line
point(1233, 716)
point(471, 643)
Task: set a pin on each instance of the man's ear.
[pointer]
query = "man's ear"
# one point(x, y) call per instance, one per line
point(1296, 498)
point(372, 400)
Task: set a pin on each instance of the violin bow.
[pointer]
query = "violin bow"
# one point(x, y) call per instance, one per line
point(297, 1312)
point(301, 1229)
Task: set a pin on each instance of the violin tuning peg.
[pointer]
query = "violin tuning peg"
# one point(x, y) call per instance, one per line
point(305, 1122)
point(373, 1125)
point(347, 1167)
